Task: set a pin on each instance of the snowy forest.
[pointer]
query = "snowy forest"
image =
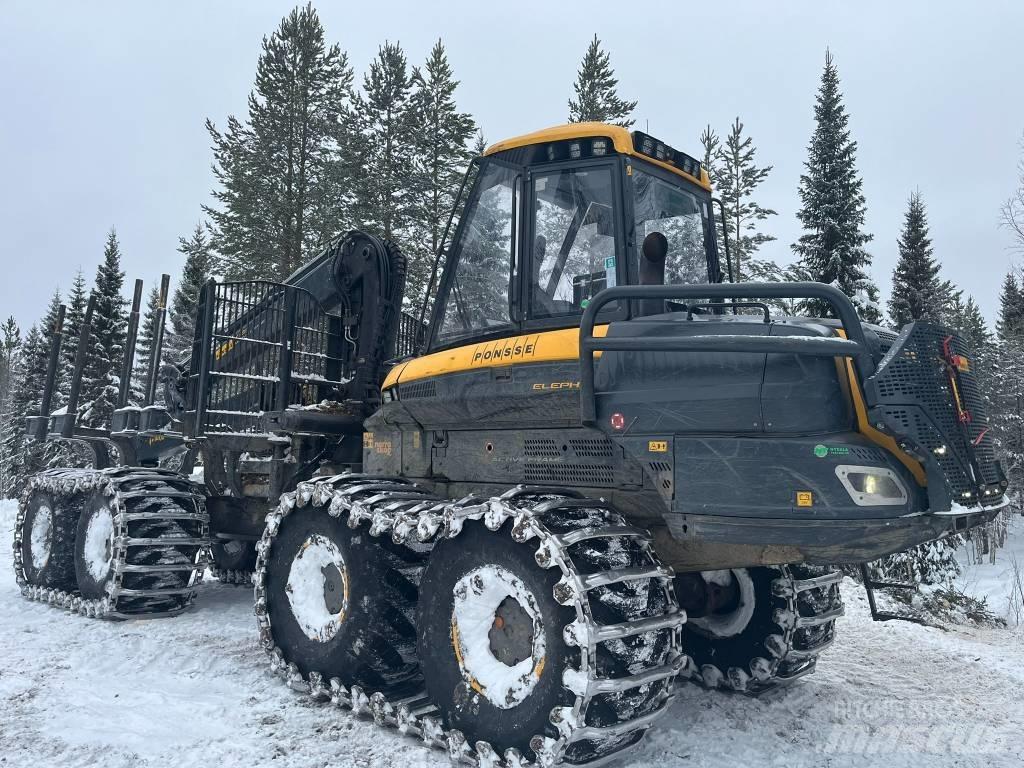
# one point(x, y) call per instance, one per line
point(323, 150)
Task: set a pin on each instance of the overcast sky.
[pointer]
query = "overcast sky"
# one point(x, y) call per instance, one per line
point(102, 107)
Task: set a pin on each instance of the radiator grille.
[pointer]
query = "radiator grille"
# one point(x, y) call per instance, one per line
point(417, 389)
point(570, 474)
point(592, 448)
point(541, 448)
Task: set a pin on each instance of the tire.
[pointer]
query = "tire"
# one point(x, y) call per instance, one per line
point(739, 649)
point(445, 672)
point(234, 555)
point(94, 556)
point(48, 541)
point(370, 641)
point(759, 652)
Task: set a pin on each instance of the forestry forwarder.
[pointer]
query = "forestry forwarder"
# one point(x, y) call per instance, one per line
point(596, 468)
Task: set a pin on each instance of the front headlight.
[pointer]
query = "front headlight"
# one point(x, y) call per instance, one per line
point(871, 486)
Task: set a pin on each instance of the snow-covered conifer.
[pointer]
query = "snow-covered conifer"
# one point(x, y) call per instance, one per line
point(441, 154)
point(597, 98)
point(833, 206)
point(100, 381)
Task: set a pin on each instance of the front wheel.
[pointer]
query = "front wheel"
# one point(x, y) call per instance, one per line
point(549, 626)
point(491, 643)
point(769, 627)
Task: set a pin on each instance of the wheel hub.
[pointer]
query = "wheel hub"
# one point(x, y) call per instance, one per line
point(41, 536)
point(99, 543)
point(497, 635)
point(511, 634)
point(318, 588)
point(730, 603)
point(233, 547)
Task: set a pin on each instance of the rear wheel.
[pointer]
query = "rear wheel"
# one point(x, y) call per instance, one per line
point(338, 605)
point(48, 540)
point(94, 546)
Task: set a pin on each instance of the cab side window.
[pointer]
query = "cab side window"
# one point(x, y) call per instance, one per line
point(678, 215)
point(478, 301)
point(573, 249)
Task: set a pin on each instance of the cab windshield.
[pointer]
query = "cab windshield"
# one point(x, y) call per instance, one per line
point(538, 243)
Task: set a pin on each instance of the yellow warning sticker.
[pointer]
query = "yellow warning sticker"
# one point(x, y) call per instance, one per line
point(804, 499)
point(657, 446)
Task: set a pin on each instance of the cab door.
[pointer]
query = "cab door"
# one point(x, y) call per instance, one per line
point(477, 310)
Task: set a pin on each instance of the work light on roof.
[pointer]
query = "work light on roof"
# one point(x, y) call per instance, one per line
point(662, 152)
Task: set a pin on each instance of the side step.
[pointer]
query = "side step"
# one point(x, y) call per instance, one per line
point(870, 585)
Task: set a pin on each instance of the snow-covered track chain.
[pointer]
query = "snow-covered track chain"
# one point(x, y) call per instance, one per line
point(160, 543)
point(805, 606)
point(232, 577)
point(559, 522)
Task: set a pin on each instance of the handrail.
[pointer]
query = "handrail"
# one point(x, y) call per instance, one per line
point(854, 346)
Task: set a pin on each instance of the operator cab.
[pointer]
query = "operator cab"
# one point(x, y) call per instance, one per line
point(557, 216)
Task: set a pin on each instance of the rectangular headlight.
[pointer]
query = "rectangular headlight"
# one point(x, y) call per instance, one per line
point(872, 486)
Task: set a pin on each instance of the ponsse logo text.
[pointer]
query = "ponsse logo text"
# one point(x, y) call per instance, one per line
point(510, 350)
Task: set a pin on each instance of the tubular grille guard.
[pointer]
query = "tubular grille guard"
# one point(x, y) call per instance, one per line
point(926, 393)
point(854, 345)
point(256, 335)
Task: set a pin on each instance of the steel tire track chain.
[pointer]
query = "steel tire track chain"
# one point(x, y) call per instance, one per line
point(807, 606)
point(114, 483)
point(232, 577)
point(410, 515)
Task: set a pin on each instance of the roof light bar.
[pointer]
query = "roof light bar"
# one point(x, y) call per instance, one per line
point(646, 144)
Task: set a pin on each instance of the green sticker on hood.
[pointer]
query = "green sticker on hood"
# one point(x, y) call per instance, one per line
point(821, 451)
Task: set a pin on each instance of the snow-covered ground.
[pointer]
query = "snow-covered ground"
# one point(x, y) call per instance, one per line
point(1001, 583)
point(194, 691)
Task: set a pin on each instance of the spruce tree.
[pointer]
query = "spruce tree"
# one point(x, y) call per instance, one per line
point(10, 340)
point(181, 325)
point(144, 346)
point(276, 196)
point(53, 453)
point(62, 377)
point(10, 346)
point(441, 154)
point(597, 98)
point(973, 326)
point(1011, 307)
point(22, 458)
point(712, 145)
point(1008, 378)
point(712, 152)
point(15, 457)
point(915, 280)
point(100, 382)
point(77, 299)
point(833, 206)
point(388, 121)
point(738, 177)
point(479, 144)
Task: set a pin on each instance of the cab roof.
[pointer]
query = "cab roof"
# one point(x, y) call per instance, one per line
point(622, 140)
